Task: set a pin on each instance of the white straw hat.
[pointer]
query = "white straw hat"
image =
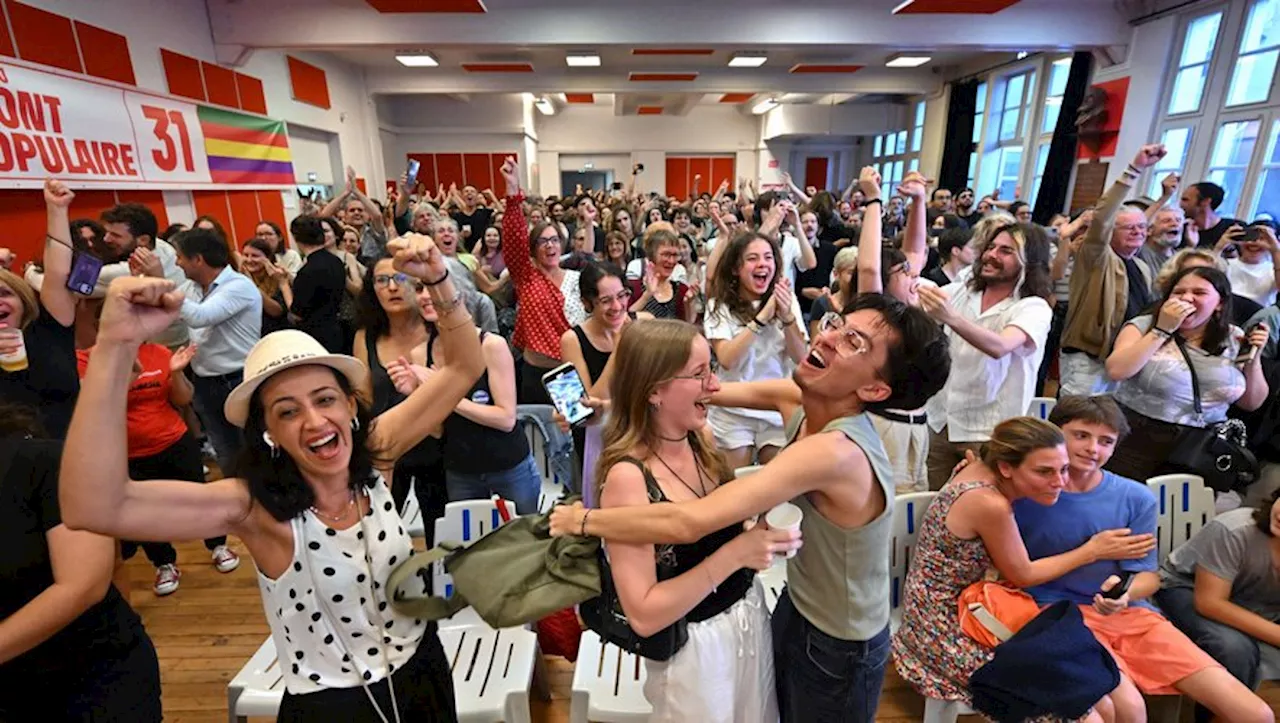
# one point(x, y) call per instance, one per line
point(282, 350)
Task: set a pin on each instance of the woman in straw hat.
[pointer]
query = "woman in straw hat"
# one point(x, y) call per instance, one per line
point(307, 501)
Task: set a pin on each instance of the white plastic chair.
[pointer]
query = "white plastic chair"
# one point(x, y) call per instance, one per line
point(258, 688)
point(464, 521)
point(608, 684)
point(1040, 407)
point(944, 711)
point(908, 514)
point(411, 513)
point(1183, 506)
point(552, 489)
point(492, 672)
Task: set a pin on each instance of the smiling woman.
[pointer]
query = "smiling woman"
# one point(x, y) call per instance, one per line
point(318, 520)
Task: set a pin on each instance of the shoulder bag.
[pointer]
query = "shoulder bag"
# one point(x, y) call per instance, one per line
point(1216, 452)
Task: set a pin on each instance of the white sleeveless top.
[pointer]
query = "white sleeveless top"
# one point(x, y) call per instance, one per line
point(339, 642)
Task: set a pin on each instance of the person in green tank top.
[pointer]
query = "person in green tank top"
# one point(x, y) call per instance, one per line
point(830, 629)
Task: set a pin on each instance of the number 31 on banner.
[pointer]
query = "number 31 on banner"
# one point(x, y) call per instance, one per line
point(170, 140)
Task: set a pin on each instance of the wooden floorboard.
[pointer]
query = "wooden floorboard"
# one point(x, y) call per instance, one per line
point(208, 629)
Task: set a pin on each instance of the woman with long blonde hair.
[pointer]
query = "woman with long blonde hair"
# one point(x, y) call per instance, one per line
point(656, 450)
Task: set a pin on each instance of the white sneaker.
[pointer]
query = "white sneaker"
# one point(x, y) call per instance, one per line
point(166, 580)
point(224, 559)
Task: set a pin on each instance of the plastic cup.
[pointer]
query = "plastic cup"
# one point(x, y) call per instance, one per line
point(785, 516)
point(16, 360)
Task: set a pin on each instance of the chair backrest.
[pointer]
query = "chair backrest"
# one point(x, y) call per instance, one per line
point(464, 521)
point(538, 447)
point(1041, 406)
point(1183, 506)
point(908, 514)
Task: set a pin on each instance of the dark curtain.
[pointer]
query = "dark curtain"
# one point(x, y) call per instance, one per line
point(1056, 184)
point(954, 173)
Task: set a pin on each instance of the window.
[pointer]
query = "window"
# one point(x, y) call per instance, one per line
point(917, 133)
point(878, 150)
point(1266, 201)
point(1042, 158)
point(1259, 48)
point(1009, 109)
point(914, 165)
point(1058, 73)
point(1193, 64)
point(1010, 165)
point(1229, 161)
point(1176, 141)
point(977, 132)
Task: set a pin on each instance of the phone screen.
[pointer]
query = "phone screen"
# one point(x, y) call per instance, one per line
point(411, 175)
point(565, 388)
point(85, 268)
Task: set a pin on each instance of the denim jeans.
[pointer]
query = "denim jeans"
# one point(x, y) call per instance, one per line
point(822, 679)
point(520, 484)
point(1237, 652)
point(210, 394)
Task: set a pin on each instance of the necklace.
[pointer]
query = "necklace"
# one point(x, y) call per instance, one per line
point(672, 439)
point(345, 511)
point(681, 479)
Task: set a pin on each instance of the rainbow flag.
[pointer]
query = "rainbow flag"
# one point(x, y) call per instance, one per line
point(245, 149)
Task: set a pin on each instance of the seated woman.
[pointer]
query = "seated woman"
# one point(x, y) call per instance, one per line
point(1221, 588)
point(71, 648)
point(969, 529)
point(656, 450)
point(1155, 381)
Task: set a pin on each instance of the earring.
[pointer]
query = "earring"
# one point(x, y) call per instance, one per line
point(266, 438)
point(355, 424)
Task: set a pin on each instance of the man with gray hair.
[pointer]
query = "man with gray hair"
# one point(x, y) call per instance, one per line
point(1110, 283)
point(1165, 237)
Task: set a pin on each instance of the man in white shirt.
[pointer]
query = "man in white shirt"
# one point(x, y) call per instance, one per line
point(997, 321)
point(224, 312)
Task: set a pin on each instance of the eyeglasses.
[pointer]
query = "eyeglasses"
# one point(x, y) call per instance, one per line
point(704, 376)
point(904, 268)
point(1132, 228)
point(618, 298)
point(549, 241)
point(851, 341)
point(382, 281)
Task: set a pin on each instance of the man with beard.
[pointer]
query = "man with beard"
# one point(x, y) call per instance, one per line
point(1200, 202)
point(1110, 283)
point(362, 214)
point(814, 282)
point(1165, 237)
point(998, 321)
point(472, 217)
point(965, 209)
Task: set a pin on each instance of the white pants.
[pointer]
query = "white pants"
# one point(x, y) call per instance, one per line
point(1079, 373)
point(724, 674)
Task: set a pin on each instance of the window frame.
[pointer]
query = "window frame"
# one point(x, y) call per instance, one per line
point(1211, 65)
point(1238, 54)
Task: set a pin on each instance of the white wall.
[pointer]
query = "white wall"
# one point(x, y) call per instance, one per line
point(1146, 65)
point(851, 119)
point(595, 129)
point(312, 153)
point(935, 133)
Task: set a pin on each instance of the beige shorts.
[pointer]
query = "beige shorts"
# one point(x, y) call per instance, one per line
point(907, 446)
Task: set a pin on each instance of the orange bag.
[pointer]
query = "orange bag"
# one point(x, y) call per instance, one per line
point(991, 612)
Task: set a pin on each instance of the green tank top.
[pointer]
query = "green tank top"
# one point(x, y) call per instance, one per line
point(839, 579)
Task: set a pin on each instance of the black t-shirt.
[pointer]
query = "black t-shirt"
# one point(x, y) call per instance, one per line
point(1209, 237)
point(478, 220)
point(28, 510)
point(1139, 290)
point(50, 383)
point(473, 448)
point(818, 276)
point(317, 297)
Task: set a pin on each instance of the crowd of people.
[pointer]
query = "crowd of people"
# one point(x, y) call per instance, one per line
point(292, 388)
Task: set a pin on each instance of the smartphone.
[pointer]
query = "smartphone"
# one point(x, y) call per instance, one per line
point(85, 268)
point(566, 390)
point(1247, 350)
point(411, 174)
point(1251, 233)
point(1122, 587)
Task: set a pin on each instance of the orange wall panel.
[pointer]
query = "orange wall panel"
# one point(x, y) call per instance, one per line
point(495, 162)
point(722, 169)
point(310, 85)
point(815, 172)
point(426, 170)
point(183, 75)
point(44, 37)
point(252, 96)
point(244, 215)
point(220, 85)
point(477, 170)
point(106, 54)
point(700, 167)
point(213, 203)
point(24, 224)
point(153, 200)
point(449, 169)
point(6, 40)
point(678, 177)
point(271, 206)
point(91, 204)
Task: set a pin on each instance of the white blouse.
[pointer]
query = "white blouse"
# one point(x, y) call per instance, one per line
point(328, 612)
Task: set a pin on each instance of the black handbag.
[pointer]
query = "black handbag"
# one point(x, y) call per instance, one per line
point(1216, 452)
point(603, 615)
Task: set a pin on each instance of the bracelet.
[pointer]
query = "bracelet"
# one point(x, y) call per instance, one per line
point(444, 307)
point(582, 532)
point(438, 281)
point(786, 322)
point(870, 201)
point(1158, 330)
point(754, 327)
point(465, 321)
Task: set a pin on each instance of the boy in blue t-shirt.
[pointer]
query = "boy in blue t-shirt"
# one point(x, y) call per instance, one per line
point(1152, 653)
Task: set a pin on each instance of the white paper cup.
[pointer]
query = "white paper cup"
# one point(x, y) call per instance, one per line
point(785, 516)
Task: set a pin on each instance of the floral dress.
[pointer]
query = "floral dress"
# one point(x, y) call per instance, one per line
point(930, 650)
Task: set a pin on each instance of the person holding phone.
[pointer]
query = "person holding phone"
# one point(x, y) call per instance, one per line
point(37, 335)
point(1114, 595)
point(484, 452)
point(1251, 252)
point(1154, 379)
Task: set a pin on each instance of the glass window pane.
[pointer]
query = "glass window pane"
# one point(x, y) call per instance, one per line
point(1008, 125)
point(1202, 35)
point(914, 165)
point(1058, 76)
point(1251, 80)
point(1042, 157)
point(1273, 146)
point(973, 167)
point(920, 113)
point(1232, 181)
point(902, 141)
point(917, 138)
point(1267, 204)
point(1010, 165)
point(1263, 27)
point(1234, 144)
point(897, 171)
point(1052, 107)
point(977, 128)
point(876, 149)
point(1187, 87)
point(1176, 141)
point(1013, 94)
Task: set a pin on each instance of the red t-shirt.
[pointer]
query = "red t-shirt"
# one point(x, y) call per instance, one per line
point(153, 424)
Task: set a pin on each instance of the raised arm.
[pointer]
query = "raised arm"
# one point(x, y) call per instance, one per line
point(774, 395)
point(95, 491)
point(1168, 187)
point(370, 208)
point(403, 426)
point(794, 189)
point(500, 415)
point(515, 229)
point(55, 297)
point(915, 239)
point(870, 241)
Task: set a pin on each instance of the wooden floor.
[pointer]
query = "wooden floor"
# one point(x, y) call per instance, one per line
point(206, 631)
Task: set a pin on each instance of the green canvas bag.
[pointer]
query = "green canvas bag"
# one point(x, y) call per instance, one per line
point(516, 574)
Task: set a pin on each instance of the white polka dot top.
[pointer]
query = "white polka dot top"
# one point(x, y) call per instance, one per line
point(329, 615)
point(574, 311)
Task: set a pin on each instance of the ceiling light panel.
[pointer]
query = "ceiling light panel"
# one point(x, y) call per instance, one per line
point(416, 59)
point(764, 106)
point(582, 60)
point(747, 60)
point(908, 60)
